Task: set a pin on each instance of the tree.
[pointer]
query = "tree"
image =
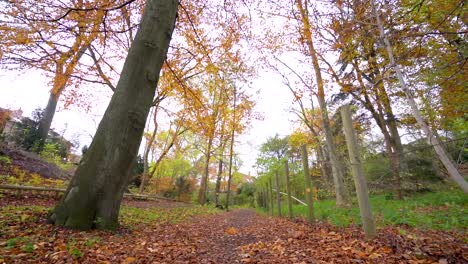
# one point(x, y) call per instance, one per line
point(342, 198)
point(438, 64)
point(296, 20)
point(53, 45)
point(231, 147)
point(360, 75)
point(432, 139)
point(93, 197)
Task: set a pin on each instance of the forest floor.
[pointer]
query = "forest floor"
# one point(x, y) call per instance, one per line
point(152, 233)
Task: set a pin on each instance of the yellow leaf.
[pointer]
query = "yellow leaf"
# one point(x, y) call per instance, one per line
point(129, 260)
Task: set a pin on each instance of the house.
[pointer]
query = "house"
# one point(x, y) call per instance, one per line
point(14, 127)
point(8, 120)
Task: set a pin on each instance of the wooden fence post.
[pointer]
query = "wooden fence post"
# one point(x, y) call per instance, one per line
point(308, 183)
point(278, 196)
point(358, 173)
point(288, 188)
point(271, 196)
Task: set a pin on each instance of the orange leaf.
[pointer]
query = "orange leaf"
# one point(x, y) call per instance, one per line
point(129, 260)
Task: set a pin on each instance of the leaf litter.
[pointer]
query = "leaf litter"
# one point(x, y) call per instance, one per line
point(197, 235)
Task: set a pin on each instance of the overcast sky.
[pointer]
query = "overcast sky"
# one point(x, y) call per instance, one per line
point(30, 90)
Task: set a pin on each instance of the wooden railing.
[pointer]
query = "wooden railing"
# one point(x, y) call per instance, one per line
point(60, 190)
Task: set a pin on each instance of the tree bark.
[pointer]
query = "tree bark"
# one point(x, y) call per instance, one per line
point(149, 144)
point(323, 163)
point(231, 149)
point(62, 75)
point(432, 139)
point(270, 188)
point(380, 108)
point(218, 181)
point(93, 197)
point(204, 179)
point(46, 120)
point(359, 178)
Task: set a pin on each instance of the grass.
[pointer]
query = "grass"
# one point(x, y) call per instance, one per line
point(443, 210)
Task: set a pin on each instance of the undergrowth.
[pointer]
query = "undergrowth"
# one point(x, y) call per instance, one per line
point(442, 210)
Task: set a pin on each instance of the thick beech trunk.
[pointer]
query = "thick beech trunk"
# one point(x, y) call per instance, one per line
point(93, 197)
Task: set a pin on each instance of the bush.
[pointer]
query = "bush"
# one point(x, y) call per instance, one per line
point(5, 160)
point(52, 153)
point(245, 195)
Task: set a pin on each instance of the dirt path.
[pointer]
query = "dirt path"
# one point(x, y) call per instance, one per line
point(242, 236)
point(219, 238)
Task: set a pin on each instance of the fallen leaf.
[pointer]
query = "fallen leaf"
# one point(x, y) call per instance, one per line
point(232, 231)
point(129, 260)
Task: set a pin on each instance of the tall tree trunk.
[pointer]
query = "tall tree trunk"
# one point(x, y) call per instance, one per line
point(270, 188)
point(431, 137)
point(342, 198)
point(46, 121)
point(93, 197)
point(231, 149)
point(379, 109)
point(206, 173)
point(231, 155)
point(218, 181)
point(323, 164)
point(399, 153)
point(390, 128)
point(62, 75)
point(149, 144)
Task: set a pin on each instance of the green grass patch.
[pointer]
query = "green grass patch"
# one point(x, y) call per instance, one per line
point(443, 210)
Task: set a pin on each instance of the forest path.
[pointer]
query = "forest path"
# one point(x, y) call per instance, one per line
point(220, 237)
point(243, 236)
point(238, 236)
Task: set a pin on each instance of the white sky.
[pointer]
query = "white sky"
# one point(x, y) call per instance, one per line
point(30, 90)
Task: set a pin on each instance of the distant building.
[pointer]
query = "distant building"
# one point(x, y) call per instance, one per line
point(8, 120)
point(13, 124)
